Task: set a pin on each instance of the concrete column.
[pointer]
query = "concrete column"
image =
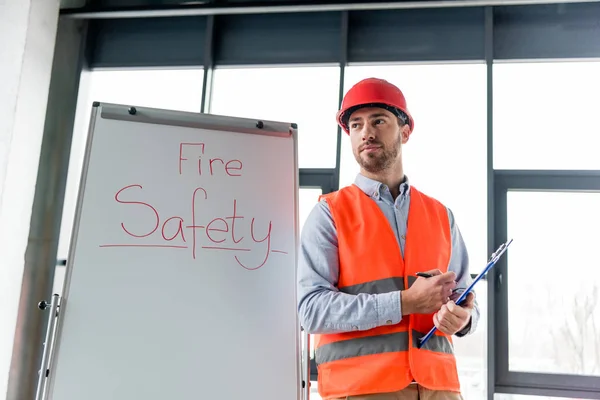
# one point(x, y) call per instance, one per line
point(27, 39)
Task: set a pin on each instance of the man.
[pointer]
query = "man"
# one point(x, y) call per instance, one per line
point(361, 293)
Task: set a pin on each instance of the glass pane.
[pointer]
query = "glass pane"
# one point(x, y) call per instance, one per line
point(314, 391)
point(307, 199)
point(59, 280)
point(504, 396)
point(471, 352)
point(446, 154)
point(545, 115)
point(553, 310)
point(179, 89)
point(307, 96)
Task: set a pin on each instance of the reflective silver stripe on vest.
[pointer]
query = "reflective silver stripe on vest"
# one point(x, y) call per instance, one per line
point(369, 345)
point(437, 343)
point(363, 346)
point(379, 286)
point(411, 280)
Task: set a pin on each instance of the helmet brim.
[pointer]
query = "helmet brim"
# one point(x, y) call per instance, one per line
point(343, 115)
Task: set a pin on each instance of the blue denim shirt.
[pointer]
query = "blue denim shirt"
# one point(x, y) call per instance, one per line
point(322, 308)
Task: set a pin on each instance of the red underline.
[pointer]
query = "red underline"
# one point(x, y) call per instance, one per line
point(144, 245)
point(223, 248)
point(166, 246)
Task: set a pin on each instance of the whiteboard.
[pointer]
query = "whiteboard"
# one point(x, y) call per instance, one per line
point(180, 280)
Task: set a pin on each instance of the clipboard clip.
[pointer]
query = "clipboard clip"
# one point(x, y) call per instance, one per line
point(499, 251)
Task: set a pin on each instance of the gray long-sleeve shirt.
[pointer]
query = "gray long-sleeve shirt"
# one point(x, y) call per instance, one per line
point(322, 307)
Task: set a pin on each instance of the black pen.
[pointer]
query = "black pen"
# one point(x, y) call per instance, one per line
point(424, 274)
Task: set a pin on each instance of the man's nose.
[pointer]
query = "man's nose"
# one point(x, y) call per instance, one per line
point(367, 133)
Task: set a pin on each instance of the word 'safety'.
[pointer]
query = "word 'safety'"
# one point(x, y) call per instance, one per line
point(231, 233)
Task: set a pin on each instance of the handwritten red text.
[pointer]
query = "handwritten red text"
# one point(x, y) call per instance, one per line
point(189, 152)
point(231, 232)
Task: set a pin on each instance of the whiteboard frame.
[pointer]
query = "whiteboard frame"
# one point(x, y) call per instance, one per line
point(191, 120)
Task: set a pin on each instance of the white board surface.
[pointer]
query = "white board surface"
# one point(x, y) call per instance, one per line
point(181, 275)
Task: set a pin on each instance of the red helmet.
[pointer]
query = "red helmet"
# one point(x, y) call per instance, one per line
point(374, 92)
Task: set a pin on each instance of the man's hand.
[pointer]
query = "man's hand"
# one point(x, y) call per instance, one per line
point(452, 318)
point(427, 295)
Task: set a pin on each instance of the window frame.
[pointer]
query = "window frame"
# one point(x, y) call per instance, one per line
point(326, 180)
point(519, 382)
point(323, 178)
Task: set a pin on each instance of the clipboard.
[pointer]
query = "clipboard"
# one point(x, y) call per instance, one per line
point(491, 262)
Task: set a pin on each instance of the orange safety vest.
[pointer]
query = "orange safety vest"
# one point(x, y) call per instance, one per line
point(386, 358)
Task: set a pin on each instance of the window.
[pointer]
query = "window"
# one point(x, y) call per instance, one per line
point(503, 396)
point(471, 352)
point(179, 89)
point(59, 279)
point(307, 96)
point(307, 199)
point(314, 391)
point(544, 115)
point(552, 269)
point(445, 158)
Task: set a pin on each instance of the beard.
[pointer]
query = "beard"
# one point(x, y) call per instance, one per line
point(378, 161)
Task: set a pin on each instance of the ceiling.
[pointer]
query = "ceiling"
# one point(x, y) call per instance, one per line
point(112, 4)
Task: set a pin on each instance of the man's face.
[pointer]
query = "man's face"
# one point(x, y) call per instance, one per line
point(377, 138)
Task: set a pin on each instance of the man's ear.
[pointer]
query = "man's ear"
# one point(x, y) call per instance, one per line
point(405, 132)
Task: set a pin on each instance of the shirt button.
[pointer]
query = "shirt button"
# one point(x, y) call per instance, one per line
point(403, 237)
point(354, 328)
point(389, 322)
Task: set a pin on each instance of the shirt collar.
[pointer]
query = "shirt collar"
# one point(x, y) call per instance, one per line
point(373, 188)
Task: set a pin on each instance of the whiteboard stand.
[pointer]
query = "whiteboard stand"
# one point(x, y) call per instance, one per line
point(306, 365)
point(186, 226)
point(53, 310)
